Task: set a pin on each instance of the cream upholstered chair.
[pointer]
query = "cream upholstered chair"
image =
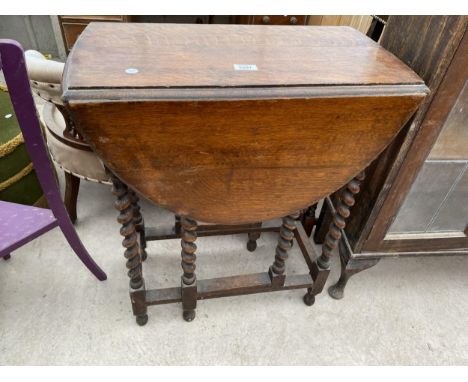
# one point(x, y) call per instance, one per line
point(67, 148)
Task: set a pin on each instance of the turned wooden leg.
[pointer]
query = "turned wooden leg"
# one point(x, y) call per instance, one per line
point(285, 239)
point(139, 224)
point(124, 205)
point(189, 279)
point(345, 201)
point(308, 219)
point(253, 237)
point(6, 257)
point(349, 267)
point(72, 186)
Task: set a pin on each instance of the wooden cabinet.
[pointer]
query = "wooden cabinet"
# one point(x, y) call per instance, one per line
point(413, 202)
point(72, 26)
point(272, 20)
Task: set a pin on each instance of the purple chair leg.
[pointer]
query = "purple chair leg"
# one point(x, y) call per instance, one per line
point(72, 237)
point(13, 64)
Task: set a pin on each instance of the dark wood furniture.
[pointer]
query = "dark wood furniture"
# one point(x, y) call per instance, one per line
point(376, 27)
point(71, 26)
point(272, 20)
point(413, 202)
point(234, 125)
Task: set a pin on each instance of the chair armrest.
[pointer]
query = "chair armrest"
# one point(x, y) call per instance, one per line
point(42, 70)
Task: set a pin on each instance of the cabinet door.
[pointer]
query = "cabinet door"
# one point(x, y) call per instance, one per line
point(436, 206)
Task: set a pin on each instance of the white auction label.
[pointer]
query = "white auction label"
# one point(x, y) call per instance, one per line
point(131, 70)
point(248, 67)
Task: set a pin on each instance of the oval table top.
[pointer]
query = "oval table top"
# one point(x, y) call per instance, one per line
point(235, 124)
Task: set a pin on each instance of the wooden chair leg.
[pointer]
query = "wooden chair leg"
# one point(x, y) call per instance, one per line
point(73, 239)
point(285, 239)
point(345, 201)
point(7, 257)
point(72, 186)
point(189, 279)
point(124, 204)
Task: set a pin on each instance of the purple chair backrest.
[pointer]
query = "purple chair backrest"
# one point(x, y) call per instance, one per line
point(14, 67)
point(12, 63)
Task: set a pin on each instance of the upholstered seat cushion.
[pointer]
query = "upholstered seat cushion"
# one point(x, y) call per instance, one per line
point(79, 162)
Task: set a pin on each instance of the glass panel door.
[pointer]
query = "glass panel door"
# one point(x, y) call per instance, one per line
point(438, 201)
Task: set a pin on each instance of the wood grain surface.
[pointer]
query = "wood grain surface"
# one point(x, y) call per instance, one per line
point(206, 142)
point(184, 55)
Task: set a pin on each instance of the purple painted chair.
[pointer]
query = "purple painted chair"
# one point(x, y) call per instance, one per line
point(20, 224)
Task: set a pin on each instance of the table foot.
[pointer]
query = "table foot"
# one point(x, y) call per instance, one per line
point(336, 291)
point(142, 319)
point(251, 245)
point(189, 315)
point(309, 299)
point(253, 237)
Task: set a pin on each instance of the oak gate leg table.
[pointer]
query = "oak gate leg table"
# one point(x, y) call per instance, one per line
point(233, 125)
